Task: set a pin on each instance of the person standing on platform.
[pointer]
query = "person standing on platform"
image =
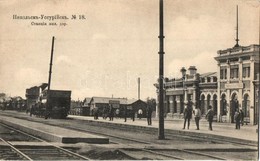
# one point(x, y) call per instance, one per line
point(95, 113)
point(209, 117)
point(187, 115)
point(117, 113)
point(237, 119)
point(32, 110)
point(242, 117)
point(133, 114)
point(104, 113)
point(197, 115)
point(111, 113)
point(125, 113)
point(149, 115)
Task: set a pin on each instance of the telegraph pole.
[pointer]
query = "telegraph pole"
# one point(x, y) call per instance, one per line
point(50, 71)
point(161, 77)
point(48, 108)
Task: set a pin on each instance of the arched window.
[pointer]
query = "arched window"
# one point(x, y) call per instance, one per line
point(202, 104)
point(215, 107)
point(246, 105)
point(223, 105)
point(208, 101)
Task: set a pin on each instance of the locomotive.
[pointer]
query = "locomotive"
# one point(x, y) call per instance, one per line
point(44, 102)
point(48, 103)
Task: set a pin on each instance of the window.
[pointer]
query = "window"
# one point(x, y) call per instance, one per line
point(208, 79)
point(234, 71)
point(223, 73)
point(214, 79)
point(246, 72)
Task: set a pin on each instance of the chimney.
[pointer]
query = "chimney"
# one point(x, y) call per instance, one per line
point(192, 70)
point(139, 88)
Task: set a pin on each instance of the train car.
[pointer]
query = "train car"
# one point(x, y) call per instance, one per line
point(56, 103)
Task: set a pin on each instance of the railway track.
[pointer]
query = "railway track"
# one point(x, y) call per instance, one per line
point(172, 154)
point(154, 153)
point(49, 151)
point(179, 154)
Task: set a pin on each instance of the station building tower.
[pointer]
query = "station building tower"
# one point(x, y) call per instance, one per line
point(238, 68)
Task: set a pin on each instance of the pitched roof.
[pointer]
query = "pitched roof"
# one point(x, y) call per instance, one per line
point(209, 74)
point(107, 99)
point(131, 101)
point(87, 100)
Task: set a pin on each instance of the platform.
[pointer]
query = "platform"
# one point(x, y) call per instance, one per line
point(52, 133)
point(247, 133)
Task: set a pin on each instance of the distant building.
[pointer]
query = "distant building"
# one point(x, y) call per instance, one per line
point(134, 105)
point(81, 108)
point(2, 100)
point(18, 103)
point(103, 102)
point(86, 101)
point(76, 108)
point(85, 108)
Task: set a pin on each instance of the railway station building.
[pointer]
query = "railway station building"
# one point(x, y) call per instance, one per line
point(200, 90)
point(238, 75)
point(235, 85)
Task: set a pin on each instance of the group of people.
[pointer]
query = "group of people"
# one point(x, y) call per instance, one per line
point(115, 112)
point(140, 112)
point(239, 117)
point(197, 115)
point(188, 112)
point(107, 112)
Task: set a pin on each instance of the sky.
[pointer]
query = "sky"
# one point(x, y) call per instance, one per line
point(104, 54)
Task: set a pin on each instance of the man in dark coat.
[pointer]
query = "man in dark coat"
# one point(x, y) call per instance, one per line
point(32, 110)
point(237, 117)
point(209, 116)
point(133, 114)
point(149, 115)
point(187, 115)
point(125, 113)
point(111, 113)
point(242, 116)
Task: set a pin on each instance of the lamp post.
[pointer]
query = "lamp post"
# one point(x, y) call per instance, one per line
point(161, 79)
